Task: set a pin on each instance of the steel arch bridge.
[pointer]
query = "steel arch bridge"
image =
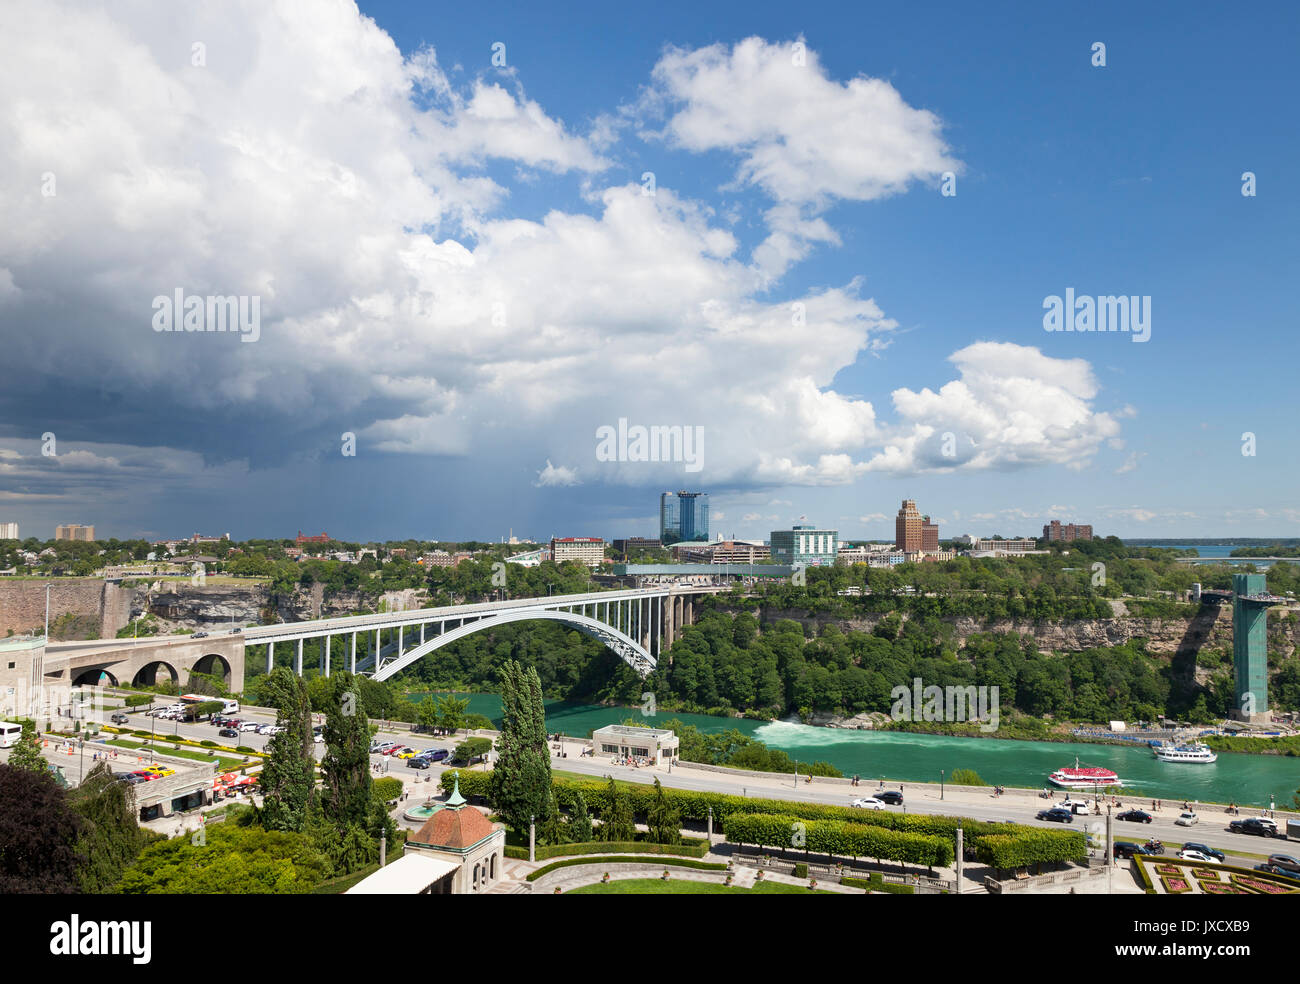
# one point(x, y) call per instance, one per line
point(624, 646)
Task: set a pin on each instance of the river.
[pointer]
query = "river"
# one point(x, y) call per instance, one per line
point(901, 757)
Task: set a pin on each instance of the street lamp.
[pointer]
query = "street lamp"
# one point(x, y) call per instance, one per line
point(941, 784)
point(47, 612)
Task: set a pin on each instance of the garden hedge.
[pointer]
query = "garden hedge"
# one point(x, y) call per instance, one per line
point(839, 838)
point(690, 847)
point(666, 862)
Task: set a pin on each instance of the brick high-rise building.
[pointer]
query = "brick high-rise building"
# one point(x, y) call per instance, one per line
point(907, 527)
point(1055, 532)
point(929, 536)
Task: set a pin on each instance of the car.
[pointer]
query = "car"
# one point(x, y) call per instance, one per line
point(439, 754)
point(418, 762)
point(870, 803)
point(1127, 849)
point(1134, 816)
point(199, 635)
point(266, 729)
point(228, 733)
point(1056, 815)
point(1206, 850)
point(1252, 825)
point(1189, 855)
point(235, 631)
point(144, 776)
point(1186, 819)
point(159, 770)
point(891, 796)
point(318, 738)
point(1273, 869)
point(119, 718)
point(132, 777)
point(1284, 861)
point(393, 752)
point(249, 726)
point(384, 747)
point(406, 753)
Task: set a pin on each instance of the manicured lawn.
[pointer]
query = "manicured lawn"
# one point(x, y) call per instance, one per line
point(657, 886)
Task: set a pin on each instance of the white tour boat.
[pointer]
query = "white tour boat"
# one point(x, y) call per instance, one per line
point(1194, 752)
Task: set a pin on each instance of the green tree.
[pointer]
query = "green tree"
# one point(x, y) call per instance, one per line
point(618, 822)
point(521, 778)
point(110, 839)
point(580, 830)
point(27, 752)
point(345, 771)
point(230, 859)
point(663, 820)
point(288, 777)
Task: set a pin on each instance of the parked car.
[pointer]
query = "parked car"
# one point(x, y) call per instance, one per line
point(891, 796)
point(265, 729)
point(1134, 816)
point(119, 718)
point(1056, 815)
point(1206, 850)
point(869, 803)
point(439, 754)
point(199, 635)
point(1284, 861)
point(1186, 819)
point(406, 753)
point(393, 752)
point(132, 778)
point(418, 762)
point(1127, 849)
point(249, 726)
point(1190, 855)
point(384, 747)
point(143, 776)
point(1253, 825)
point(228, 733)
point(159, 770)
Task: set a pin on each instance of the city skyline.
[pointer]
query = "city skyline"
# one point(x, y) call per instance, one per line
point(489, 293)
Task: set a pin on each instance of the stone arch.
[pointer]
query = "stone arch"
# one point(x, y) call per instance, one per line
point(213, 664)
point(94, 676)
point(148, 673)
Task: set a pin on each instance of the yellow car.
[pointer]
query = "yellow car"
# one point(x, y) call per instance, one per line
point(159, 771)
point(407, 753)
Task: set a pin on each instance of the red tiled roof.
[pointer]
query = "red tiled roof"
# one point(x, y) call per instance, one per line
point(455, 828)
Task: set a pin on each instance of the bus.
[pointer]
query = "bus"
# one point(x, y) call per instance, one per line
point(192, 700)
point(9, 734)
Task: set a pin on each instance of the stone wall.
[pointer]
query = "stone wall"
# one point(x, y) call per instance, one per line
point(22, 603)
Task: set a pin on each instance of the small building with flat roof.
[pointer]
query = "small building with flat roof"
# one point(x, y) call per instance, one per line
point(621, 740)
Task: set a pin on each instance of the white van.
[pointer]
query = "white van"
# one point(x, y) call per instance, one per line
point(9, 734)
point(229, 707)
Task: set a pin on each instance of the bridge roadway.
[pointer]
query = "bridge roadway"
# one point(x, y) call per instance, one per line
point(637, 624)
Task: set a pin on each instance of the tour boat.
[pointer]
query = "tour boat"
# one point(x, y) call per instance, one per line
point(1195, 752)
point(1089, 777)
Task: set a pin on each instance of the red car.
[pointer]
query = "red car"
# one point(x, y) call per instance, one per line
point(146, 776)
point(395, 749)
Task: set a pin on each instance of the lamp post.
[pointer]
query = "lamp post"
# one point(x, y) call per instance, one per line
point(47, 612)
point(941, 784)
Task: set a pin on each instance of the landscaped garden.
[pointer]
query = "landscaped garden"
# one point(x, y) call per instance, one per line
point(1172, 876)
point(657, 886)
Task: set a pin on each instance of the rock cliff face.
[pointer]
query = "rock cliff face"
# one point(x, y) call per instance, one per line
point(1212, 629)
point(177, 605)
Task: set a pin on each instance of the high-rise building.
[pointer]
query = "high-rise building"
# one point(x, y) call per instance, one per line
point(1055, 532)
point(683, 516)
point(907, 527)
point(74, 531)
point(9, 531)
point(806, 545)
point(589, 550)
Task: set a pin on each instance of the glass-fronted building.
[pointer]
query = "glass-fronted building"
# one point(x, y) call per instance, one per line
point(806, 545)
point(683, 516)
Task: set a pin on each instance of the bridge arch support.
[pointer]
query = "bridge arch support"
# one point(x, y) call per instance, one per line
point(626, 648)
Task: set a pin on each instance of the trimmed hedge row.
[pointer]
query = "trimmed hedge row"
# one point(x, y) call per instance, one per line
point(694, 805)
point(666, 862)
point(877, 884)
point(838, 837)
point(690, 847)
point(1020, 850)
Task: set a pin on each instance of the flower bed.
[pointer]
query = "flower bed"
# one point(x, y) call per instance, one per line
point(1169, 869)
point(1205, 874)
point(1222, 888)
point(1260, 886)
point(1175, 884)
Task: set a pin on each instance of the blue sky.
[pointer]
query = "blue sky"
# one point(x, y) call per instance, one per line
point(382, 186)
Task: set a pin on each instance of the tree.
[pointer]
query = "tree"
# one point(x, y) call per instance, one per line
point(38, 835)
point(451, 712)
point(663, 820)
point(27, 752)
point(580, 820)
point(230, 859)
point(618, 823)
point(521, 779)
point(345, 771)
point(110, 839)
point(472, 748)
point(288, 777)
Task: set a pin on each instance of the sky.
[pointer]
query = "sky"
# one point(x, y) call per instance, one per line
point(822, 242)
